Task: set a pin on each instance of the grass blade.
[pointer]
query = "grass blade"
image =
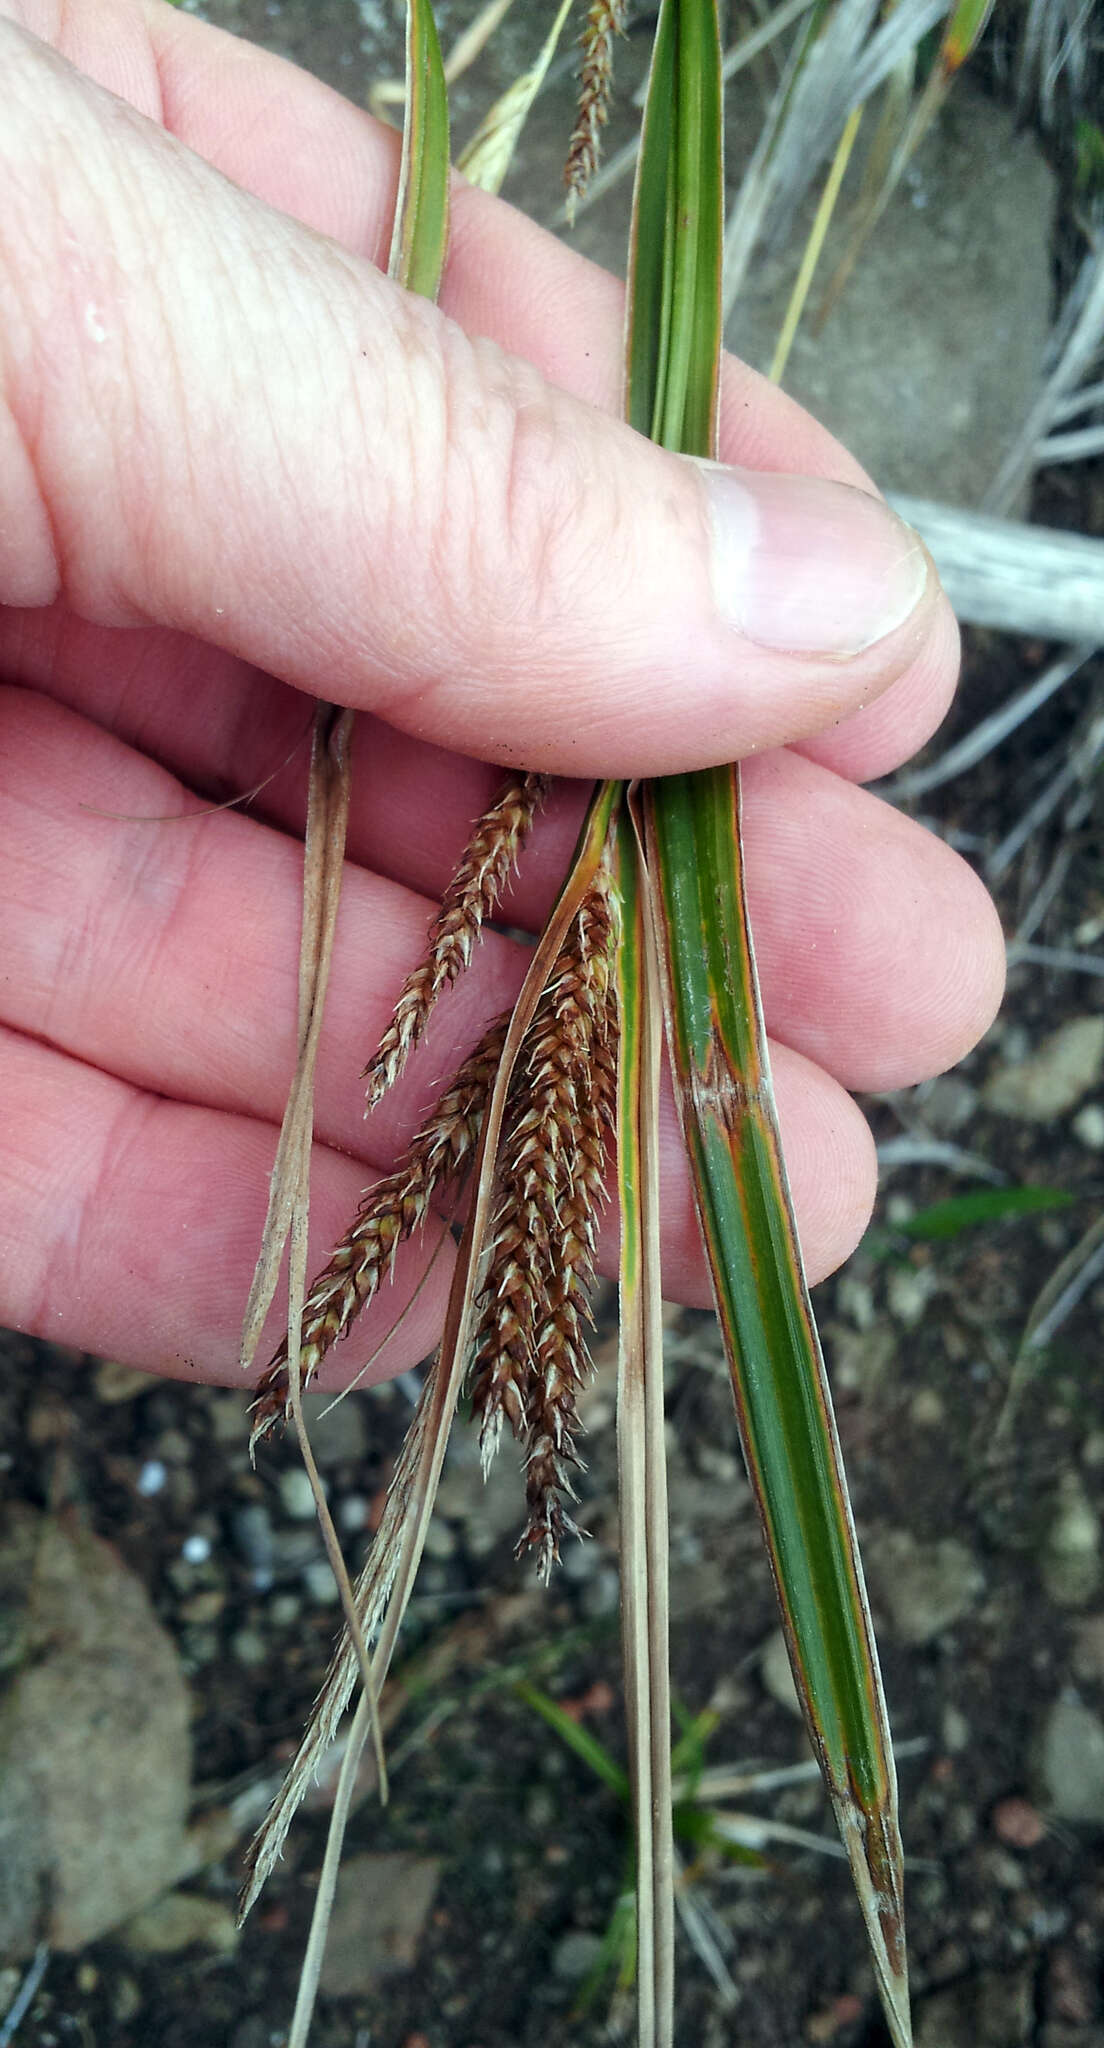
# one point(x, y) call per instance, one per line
point(814, 245)
point(723, 1085)
point(717, 1042)
point(673, 336)
point(417, 261)
point(641, 1451)
point(420, 235)
point(967, 21)
point(323, 855)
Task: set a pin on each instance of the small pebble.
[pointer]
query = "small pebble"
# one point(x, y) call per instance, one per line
point(126, 1999)
point(151, 1478)
point(1062, 1069)
point(908, 1292)
point(956, 1731)
point(115, 1382)
point(296, 1495)
point(1016, 1822)
point(1071, 1560)
point(720, 1463)
point(440, 1539)
point(580, 1561)
point(181, 1920)
point(195, 1549)
point(1088, 1649)
point(294, 1548)
point(230, 1419)
point(252, 1527)
point(283, 1610)
point(602, 1594)
point(249, 1647)
point(203, 1607)
point(320, 1584)
point(174, 1447)
point(575, 1955)
point(1072, 1762)
point(855, 1299)
point(1088, 1126)
point(540, 1810)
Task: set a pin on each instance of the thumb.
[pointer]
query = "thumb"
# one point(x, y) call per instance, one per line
point(214, 419)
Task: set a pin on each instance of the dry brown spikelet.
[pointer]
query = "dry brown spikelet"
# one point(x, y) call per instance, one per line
point(605, 19)
point(531, 1356)
point(475, 889)
point(388, 1214)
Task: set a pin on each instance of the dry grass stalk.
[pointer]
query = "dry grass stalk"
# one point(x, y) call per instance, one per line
point(323, 866)
point(475, 889)
point(531, 1356)
point(605, 19)
point(389, 1213)
point(373, 1587)
point(383, 1588)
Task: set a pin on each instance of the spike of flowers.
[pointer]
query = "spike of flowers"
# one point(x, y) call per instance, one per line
point(604, 19)
point(389, 1213)
point(531, 1356)
point(475, 889)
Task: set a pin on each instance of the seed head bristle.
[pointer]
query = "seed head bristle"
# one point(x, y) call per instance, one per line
point(530, 1355)
point(471, 896)
point(388, 1214)
point(604, 19)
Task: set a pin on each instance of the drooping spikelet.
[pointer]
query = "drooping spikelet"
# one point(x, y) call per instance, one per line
point(530, 1355)
point(605, 19)
point(471, 896)
point(388, 1214)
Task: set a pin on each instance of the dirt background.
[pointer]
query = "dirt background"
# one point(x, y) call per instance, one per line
point(983, 1552)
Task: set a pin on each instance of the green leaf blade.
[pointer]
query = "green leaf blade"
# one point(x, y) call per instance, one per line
point(420, 236)
point(718, 1048)
point(949, 1218)
point(673, 336)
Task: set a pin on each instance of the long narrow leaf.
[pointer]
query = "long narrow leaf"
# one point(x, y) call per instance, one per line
point(641, 1451)
point(420, 234)
point(417, 260)
point(718, 1046)
point(782, 1399)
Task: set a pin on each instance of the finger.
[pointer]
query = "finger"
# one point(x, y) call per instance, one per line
point(297, 144)
point(334, 171)
point(129, 1224)
point(226, 729)
point(884, 734)
point(417, 517)
point(124, 990)
point(880, 954)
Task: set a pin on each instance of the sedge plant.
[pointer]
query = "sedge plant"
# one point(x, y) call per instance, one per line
point(646, 953)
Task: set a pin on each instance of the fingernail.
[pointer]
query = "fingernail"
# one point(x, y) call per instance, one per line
point(809, 566)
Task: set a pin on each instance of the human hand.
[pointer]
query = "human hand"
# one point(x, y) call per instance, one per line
point(238, 469)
